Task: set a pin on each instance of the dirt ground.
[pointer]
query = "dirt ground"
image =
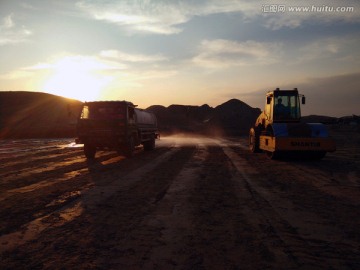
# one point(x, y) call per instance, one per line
point(192, 203)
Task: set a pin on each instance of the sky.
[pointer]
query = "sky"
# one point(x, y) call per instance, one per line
point(190, 52)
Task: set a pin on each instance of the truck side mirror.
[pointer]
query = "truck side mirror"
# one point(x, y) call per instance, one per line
point(268, 100)
point(303, 100)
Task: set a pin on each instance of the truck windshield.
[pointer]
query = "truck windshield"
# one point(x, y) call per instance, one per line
point(104, 111)
point(286, 107)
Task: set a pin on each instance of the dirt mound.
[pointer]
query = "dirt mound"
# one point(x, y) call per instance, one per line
point(319, 119)
point(232, 117)
point(36, 115)
point(41, 115)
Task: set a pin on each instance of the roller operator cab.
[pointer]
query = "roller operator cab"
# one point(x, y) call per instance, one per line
point(279, 132)
point(115, 125)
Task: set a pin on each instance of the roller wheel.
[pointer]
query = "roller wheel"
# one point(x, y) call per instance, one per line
point(254, 140)
point(273, 155)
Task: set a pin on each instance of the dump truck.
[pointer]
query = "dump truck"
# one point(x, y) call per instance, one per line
point(115, 125)
point(279, 132)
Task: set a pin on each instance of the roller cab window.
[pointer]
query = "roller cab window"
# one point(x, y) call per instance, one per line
point(286, 107)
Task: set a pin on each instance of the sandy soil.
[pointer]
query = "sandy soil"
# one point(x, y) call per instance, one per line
point(193, 203)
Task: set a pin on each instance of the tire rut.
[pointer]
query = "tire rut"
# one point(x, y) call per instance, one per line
point(229, 231)
point(46, 171)
point(197, 203)
point(28, 163)
point(295, 211)
point(53, 190)
point(99, 196)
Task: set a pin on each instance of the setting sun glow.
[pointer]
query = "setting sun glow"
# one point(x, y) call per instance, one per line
point(189, 52)
point(77, 77)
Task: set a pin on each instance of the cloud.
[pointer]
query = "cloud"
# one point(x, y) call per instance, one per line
point(112, 70)
point(339, 49)
point(126, 57)
point(336, 95)
point(139, 16)
point(10, 33)
point(222, 53)
point(68, 63)
point(156, 17)
point(320, 49)
point(140, 66)
point(168, 17)
point(15, 75)
point(28, 6)
point(292, 14)
point(8, 22)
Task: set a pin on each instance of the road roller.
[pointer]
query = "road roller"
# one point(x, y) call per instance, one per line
point(279, 131)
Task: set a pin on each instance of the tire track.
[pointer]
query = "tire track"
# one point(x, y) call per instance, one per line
point(51, 190)
point(307, 238)
point(84, 201)
point(193, 203)
point(12, 151)
point(25, 163)
point(47, 171)
point(230, 231)
point(206, 220)
point(173, 215)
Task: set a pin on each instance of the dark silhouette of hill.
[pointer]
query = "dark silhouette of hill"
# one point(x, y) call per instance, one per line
point(233, 117)
point(319, 119)
point(36, 115)
point(41, 115)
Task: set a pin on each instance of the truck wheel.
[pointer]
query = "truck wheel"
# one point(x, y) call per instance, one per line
point(130, 147)
point(149, 145)
point(254, 140)
point(89, 150)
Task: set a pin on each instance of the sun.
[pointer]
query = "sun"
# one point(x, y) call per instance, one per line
point(77, 77)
